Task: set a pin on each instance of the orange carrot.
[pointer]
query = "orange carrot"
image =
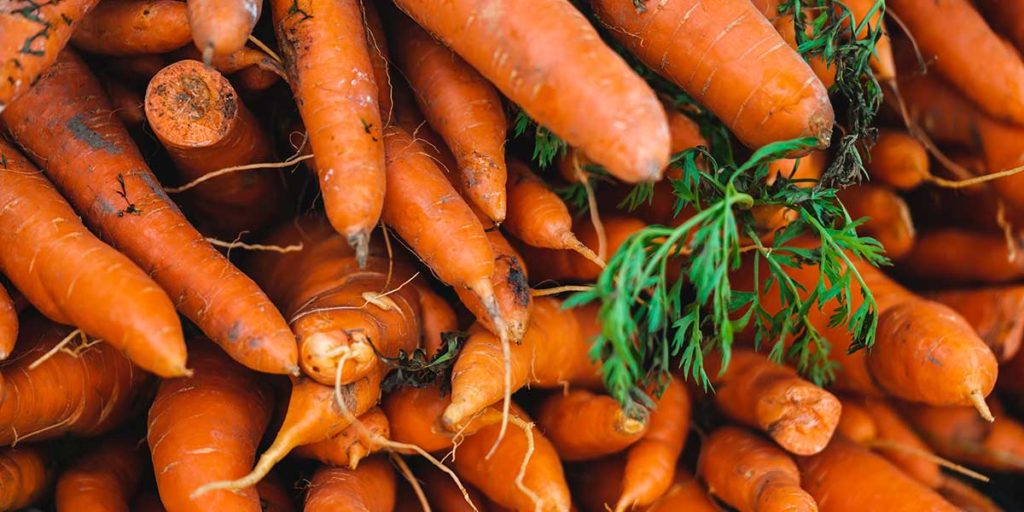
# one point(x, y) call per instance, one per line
point(337, 96)
point(995, 313)
point(786, 27)
point(443, 494)
point(98, 386)
point(437, 318)
point(414, 415)
point(463, 108)
point(795, 413)
point(967, 498)
point(349, 447)
point(8, 322)
point(221, 27)
point(133, 27)
point(273, 496)
point(236, 62)
point(1006, 16)
point(104, 480)
point(856, 423)
point(894, 439)
point(749, 473)
point(32, 34)
point(953, 255)
point(685, 494)
point(121, 199)
point(880, 485)
point(602, 480)
point(888, 216)
point(957, 433)
point(609, 428)
point(615, 118)
point(565, 265)
point(25, 476)
point(898, 160)
point(734, 63)
point(511, 290)
point(369, 488)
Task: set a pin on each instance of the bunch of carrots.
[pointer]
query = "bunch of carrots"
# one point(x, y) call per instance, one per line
point(371, 255)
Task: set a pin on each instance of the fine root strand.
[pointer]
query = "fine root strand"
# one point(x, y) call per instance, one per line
point(236, 168)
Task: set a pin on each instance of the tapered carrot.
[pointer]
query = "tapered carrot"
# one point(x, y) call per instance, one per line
point(98, 386)
point(562, 265)
point(25, 476)
point(443, 494)
point(898, 442)
point(898, 160)
point(957, 433)
point(685, 494)
point(510, 281)
point(221, 27)
point(856, 423)
point(953, 255)
point(967, 498)
point(625, 131)
point(795, 413)
point(995, 314)
point(880, 485)
point(750, 473)
point(888, 216)
point(325, 51)
point(273, 495)
point(349, 447)
point(462, 107)
point(32, 34)
point(609, 429)
point(133, 27)
point(122, 200)
point(104, 480)
point(199, 118)
point(369, 488)
point(735, 64)
point(8, 323)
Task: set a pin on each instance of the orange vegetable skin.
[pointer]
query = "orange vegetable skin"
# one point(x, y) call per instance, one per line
point(957, 433)
point(595, 103)
point(536, 215)
point(18, 69)
point(882, 61)
point(25, 476)
point(995, 313)
point(437, 318)
point(954, 255)
point(443, 494)
point(898, 160)
point(414, 415)
point(880, 485)
point(565, 265)
point(221, 27)
point(888, 216)
point(750, 473)
point(103, 480)
point(967, 498)
point(98, 387)
point(463, 108)
point(511, 290)
point(199, 118)
point(685, 494)
point(893, 430)
point(609, 428)
point(324, 46)
point(68, 105)
point(349, 447)
point(369, 488)
point(133, 27)
point(732, 61)
point(8, 323)
point(856, 423)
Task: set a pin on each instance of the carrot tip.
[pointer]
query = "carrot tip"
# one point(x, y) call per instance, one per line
point(208, 54)
point(978, 400)
point(360, 241)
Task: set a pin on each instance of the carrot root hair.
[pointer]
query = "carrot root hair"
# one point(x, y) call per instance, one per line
point(572, 242)
point(887, 444)
point(978, 400)
point(360, 241)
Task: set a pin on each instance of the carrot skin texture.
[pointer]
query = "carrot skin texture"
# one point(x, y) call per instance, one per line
point(769, 97)
point(414, 415)
point(568, 265)
point(437, 318)
point(609, 430)
point(133, 27)
point(893, 428)
point(8, 323)
point(995, 313)
point(208, 289)
point(889, 219)
point(19, 70)
point(349, 447)
point(221, 27)
point(626, 131)
point(369, 488)
point(955, 255)
point(856, 423)
point(443, 494)
point(25, 476)
point(104, 480)
point(536, 215)
point(510, 281)
point(898, 160)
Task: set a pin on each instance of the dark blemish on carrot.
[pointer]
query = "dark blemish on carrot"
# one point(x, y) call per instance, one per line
point(104, 206)
point(235, 331)
point(156, 188)
point(131, 209)
point(83, 133)
point(517, 280)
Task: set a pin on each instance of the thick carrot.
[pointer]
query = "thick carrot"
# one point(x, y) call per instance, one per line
point(1006, 16)
point(103, 480)
point(349, 447)
point(222, 27)
point(733, 62)
point(898, 160)
point(750, 473)
point(967, 498)
point(143, 223)
point(25, 476)
point(880, 485)
point(83, 391)
point(995, 313)
point(856, 423)
point(32, 34)
point(957, 433)
point(595, 103)
point(795, 413)
point(331, 75)
point(462, 107)
point(443, 494)
point(685, 494)
point(369, 488)
point(273, 495)
point(888, 216)
point(894, 439)
point(565, 265)
point(953, 35)
point(609, 428)
point(510, 281)
point(133, 27)
point(8, 323)
point(953, 255)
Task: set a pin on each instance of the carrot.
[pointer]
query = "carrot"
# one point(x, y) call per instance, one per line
point(893, 438)
point(735, 64)
point(510, 281)
point(348, 448)
point(955, 47)
point(369, 488)
point(25, 476)
point(437, 318)
point(965, 497)
point(235, 62)
point(749, 473)
point(133, 27)
point(222, 27)
point(143, 223)
point(685, 494)
point(953, 255)
point(97, 386)
point(957, 433)
point(879, 484)
point(443, 494)
point(651, 461)
point(463, 108)
point(127, 103)
point(564, 265)
point(995, 313)
point(8, 323)
point(609, 428)
point(856, 423)
point(615, 118)
point(104, 480)
point(32, 34)
point(207, 428)
point(803, 172)
point(147, 502)
point(1005, 16)
point(786, 27)
point(273, 496)
point(888, 216)
point(898, 160)
point(414, 415)
point(205, 127)
point(337, 96)
point(795, 413)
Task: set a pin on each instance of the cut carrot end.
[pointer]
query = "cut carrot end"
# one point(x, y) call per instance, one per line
point(978, 400)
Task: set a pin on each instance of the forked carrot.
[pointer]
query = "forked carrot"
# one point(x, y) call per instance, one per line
point(349, 447)
point(105, 479)
point(995, 313)
point(368, 488)
point(133, 27)
point(222, 27)
point(8, 323)
point(609, 430)
point(25, 476)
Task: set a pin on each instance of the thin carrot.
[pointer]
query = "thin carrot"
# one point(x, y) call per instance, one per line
point(377, 46)
point(43, 29)
point(957, 433)
point(25, 476)
point(338, 100)
point(564, 265)
point(122, 200)
point(369, 488)
point(222, 27)
point(510, 281)
point(888, 217)
point(965, 497)
point(898, 160)
point(348, 448)
point(133, 27)
point(8, 323)
point(235, 62)
point(463, 108)
point(685, 494)
point(609, 428)
point(104, 480)
point(750, 473)
point(953, 255)
point(995, 313)
point(856, 423)
point(273, 495)
point(897, 441)
point(444, 495)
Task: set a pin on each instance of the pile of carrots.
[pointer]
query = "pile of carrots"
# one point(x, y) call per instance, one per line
point(284, 255)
